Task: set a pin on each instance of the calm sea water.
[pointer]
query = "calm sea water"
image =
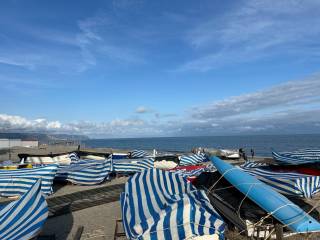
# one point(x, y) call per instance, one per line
point(261, 144)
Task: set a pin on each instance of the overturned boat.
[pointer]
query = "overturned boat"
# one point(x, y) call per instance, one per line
point(273, 203)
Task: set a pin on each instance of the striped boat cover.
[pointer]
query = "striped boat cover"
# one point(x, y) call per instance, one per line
point(304, 156)
point(18, 181)
point(194, 172)
point(250, 164)
point(159, 204)
point(193, 159)
point(288, 183)
point(132, 165)
point(24, 218)
point(85, 172)
point(138, 154)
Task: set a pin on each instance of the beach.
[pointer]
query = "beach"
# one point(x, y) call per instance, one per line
point(97, 220)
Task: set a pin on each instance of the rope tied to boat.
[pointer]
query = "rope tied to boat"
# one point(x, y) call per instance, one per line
point(222, 175)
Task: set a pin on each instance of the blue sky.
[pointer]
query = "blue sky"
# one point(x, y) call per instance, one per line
point(160, 68)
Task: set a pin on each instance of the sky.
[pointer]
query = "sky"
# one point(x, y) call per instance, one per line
point(123, 68)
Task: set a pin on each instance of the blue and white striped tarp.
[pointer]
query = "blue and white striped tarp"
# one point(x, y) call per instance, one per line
point(303, 156)
point(85, 172)
point(18, 181)
point(193, 159)
point(250, 164)
point(138, 154)
point(288, 183)
point(159, 204)
point(194, 173)
point(132, 165)
point(24, 218)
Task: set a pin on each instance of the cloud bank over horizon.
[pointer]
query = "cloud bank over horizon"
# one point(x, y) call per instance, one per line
point(291, 107)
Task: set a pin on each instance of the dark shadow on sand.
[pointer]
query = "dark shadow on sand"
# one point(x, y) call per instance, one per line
point(60, 225)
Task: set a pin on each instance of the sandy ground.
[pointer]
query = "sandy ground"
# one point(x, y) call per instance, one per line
point(99, 221)
point(62, 189)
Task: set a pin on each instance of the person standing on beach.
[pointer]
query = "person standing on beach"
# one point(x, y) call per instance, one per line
point(252, 153)
point(240, 153)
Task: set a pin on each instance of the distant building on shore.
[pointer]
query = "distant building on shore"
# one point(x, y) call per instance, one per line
point(9, 143)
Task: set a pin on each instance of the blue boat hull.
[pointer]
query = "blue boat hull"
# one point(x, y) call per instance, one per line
point(264, 196)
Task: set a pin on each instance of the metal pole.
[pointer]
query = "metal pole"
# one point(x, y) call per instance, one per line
point(9, 149)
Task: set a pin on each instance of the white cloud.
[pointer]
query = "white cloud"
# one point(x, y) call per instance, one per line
point(293, 93)
point(142, 109)
point(12, 122)
point(292, 107)
point(253, 30)
point(126, 123)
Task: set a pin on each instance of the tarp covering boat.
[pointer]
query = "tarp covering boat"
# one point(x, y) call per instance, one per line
point(250, 164)
point(85, 172)
point(192, 172)
point(193, 159)
point(24, 218)
point(288, 183)
point(18, 181)
point(159, 204)
point(132, 165)
point(138, 154)
point(304, 156)
point(268, 199)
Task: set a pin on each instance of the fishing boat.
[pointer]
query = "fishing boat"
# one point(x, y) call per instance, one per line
point(85, 172)
point(192, 159)
point(299, 157)
point(285, 182)
point(229, 153)
point(309, 168)
point(281, 208)
point(131, 165)
point(44, 159)
point(159, 204)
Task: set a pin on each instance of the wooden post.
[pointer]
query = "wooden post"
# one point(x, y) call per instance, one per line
point(279, 231)
point(78, 233)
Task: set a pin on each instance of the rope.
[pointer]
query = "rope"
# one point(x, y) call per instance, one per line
point(229, 170)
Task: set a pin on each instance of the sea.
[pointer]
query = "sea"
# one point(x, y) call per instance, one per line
point(262, 144)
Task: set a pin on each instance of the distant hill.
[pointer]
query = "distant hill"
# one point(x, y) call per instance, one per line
point(43, 137)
